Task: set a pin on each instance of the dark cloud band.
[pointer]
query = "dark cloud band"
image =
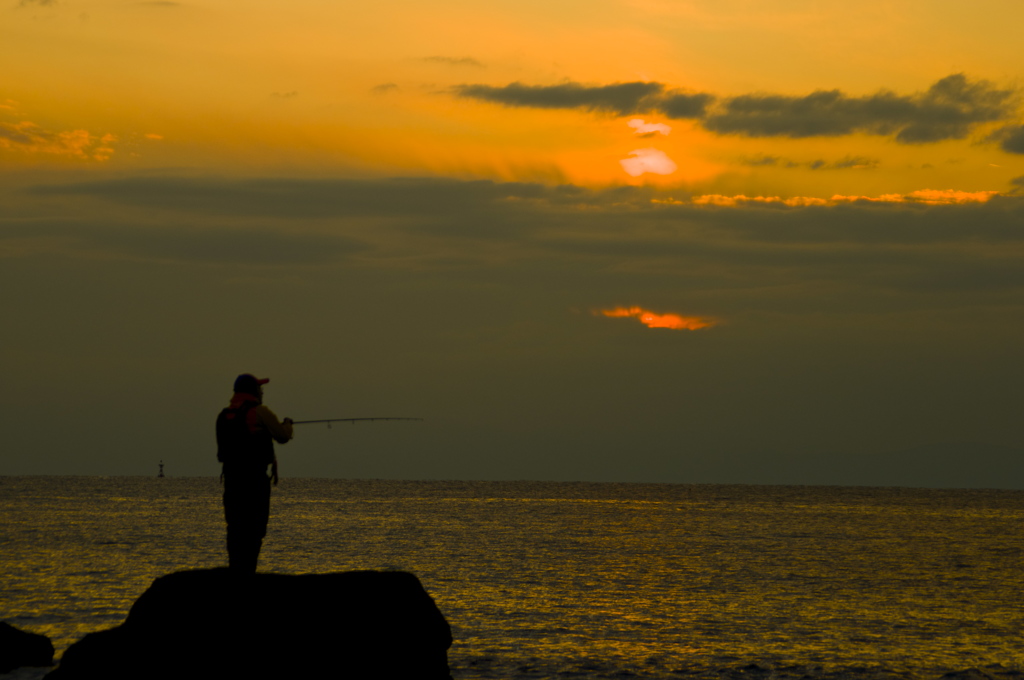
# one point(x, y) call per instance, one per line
point(477, 209)
point(949, 109)
point(621, 98)
point(178, 243)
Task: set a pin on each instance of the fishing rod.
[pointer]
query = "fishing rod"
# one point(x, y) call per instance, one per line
point(346, 420)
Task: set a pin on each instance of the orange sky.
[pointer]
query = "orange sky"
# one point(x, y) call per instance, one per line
point(317, 88)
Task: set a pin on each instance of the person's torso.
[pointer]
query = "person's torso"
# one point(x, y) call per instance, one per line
point(242, 440)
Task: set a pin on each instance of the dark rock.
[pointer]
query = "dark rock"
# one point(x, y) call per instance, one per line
point(215, 624)
point(969, 674)
point(20, 648)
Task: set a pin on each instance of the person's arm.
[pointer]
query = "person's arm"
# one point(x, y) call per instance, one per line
point(281, 431)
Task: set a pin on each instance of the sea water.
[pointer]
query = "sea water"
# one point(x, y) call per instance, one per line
point(555, 580)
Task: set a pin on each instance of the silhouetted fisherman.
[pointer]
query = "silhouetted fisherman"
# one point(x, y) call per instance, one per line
point(246, 431)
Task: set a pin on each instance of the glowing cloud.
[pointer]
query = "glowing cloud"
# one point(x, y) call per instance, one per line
point(923, 196)
point(945, 196)
point(648, 160)
point(653, 320)
point(718, 199)
point(645, 128)
point(31, 138)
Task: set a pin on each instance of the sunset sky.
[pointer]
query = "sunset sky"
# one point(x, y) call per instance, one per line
point(613, 240)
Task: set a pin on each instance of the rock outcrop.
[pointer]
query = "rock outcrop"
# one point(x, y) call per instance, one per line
point(215, 624)
point(20, 648)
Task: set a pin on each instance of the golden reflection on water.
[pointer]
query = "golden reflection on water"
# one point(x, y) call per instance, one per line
point(647, 579)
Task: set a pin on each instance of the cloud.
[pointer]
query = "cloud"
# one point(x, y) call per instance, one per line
point(769, 161)
point(738, 255)
point(103, 151)
point(947, 110)
point(648, 160)
point(41, 3)
point(620, 98)
point(454, 61)
point(743, 200)
point(948, 196)
point(177, 243)
point(685, 105)
point(924, 197)
point(845, 163)
point(648, 129)
point(384, 88)
point(854, 162)
point(310, 199)
point(654, 320)
point(950, 109)
point(621, 219)
point(31, 138)
point(1010, 138)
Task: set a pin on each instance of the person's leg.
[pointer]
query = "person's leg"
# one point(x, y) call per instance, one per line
point(247, 510)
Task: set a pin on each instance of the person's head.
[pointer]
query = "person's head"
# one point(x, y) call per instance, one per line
point(247, 383)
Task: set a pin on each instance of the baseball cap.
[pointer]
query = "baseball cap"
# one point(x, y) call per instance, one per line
point(249, 383)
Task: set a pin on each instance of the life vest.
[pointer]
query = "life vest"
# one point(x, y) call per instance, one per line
point(241, 443)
